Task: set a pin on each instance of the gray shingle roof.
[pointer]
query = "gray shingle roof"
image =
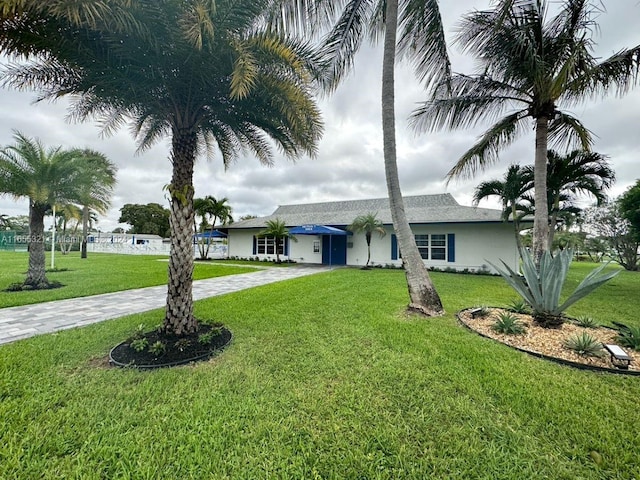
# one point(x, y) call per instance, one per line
point(440, 208)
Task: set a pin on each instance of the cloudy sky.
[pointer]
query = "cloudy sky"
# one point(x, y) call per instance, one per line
point(350, 163)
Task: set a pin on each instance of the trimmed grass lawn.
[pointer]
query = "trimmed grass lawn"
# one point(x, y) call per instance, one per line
point(99, 273)
point(326, 377)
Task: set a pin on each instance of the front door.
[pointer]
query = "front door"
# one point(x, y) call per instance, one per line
point(334, 249)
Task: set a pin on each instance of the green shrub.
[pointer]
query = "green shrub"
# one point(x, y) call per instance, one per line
point(628, 336)
point(139, 344)
point(586, 321)
point(509, 324)
point(207, 338)
point(519, 306)
point(158, 348)
point(182, 344)
point(585, 345)
point(541, 286)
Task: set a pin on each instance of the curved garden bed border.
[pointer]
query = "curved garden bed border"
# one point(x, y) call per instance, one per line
point(561, 361)
point(186, 361)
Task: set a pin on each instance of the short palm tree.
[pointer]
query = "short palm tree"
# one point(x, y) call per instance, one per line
point(533, 67)
point(413, 30)
point(99, 180)
point(210, 212)
point(46, 177)
point(578, 172)
point(277, 229)
point(510, 191)
point(203, 73)
point(367, 224)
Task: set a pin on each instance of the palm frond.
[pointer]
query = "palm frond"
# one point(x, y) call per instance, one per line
point(486, 150)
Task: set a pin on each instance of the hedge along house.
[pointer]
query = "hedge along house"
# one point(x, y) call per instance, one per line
point(448, 235)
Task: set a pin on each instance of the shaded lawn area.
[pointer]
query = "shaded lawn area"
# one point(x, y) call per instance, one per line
point(326, 378)
point(99, 273)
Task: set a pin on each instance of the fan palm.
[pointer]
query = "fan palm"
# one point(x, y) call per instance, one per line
point(204, 73)
point(277, 229)
point(510, 191)
point(46, 177)
point(414, 30)
point(533, 67)
point(367, 224)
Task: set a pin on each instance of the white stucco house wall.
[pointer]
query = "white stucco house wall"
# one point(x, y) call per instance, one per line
point(449, 235)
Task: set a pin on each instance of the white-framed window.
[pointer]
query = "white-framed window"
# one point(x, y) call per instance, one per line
point(432, 247)
point(316, 246)
point(267, 246)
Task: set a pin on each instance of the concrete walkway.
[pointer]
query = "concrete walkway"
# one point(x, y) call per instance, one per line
point(29, 320)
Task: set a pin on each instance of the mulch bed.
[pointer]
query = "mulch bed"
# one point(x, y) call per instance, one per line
point(179, 350)
point(549, 342)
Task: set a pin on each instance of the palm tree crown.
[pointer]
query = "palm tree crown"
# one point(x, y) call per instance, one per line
point(277, 229)
point(532, 67)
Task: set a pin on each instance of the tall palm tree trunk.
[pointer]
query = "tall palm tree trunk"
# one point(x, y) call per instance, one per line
point(179, 319)
point(541, 215)
point(36, 275)
point(422, 293)
point(85, 231)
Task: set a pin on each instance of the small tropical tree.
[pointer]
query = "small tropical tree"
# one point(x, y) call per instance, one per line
point(367, 224)
point(608, 224)
point(203, 73)
point(98, 181)
point(278, 230)
point(629, 207)
point(533, 67)
point(511, 192)
point(68, 217)
point(46, 177)
point(210, 212)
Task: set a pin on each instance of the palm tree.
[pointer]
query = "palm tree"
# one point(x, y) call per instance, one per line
point(368, 224)
point(277, 229)
point(202, 73)
point(99, 179)
point(421, 40)
point(210, 212)
point(578, 172)
point(510, 191)
point(538, 65)
point(65, 214)
point(46, 177)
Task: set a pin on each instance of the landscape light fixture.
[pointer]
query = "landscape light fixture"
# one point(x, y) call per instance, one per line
point(619, 357)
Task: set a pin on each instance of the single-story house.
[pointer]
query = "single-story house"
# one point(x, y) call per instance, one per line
point(448, 235)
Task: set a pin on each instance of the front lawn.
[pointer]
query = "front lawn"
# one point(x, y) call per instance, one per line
point(326, 378)
point(99, 273)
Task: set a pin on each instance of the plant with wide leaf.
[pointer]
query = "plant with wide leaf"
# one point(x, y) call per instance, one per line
point(541, 286)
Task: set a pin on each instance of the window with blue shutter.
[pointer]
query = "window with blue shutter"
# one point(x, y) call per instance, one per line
point(451, 247)
point(255, 244)
point(394, 247)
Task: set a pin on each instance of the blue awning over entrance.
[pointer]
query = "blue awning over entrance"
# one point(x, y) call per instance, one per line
point(316, 230)
point(215, 234)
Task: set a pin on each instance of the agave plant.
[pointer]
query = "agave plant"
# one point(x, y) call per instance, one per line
point(541, 286)
point(628, 335)
point(585, 345)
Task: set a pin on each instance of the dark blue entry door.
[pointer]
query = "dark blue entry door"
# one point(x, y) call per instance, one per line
point(334, 249)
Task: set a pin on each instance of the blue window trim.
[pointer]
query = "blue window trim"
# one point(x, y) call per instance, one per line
point(451, 247)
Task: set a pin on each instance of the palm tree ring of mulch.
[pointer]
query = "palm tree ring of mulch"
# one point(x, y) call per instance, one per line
point(27, 287)
point(159, 350)
point(548, 343)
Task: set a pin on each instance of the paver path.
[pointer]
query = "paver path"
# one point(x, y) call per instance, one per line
point(29, 320)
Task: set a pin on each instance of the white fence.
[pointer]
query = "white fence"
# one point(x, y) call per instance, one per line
point(215, 251)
